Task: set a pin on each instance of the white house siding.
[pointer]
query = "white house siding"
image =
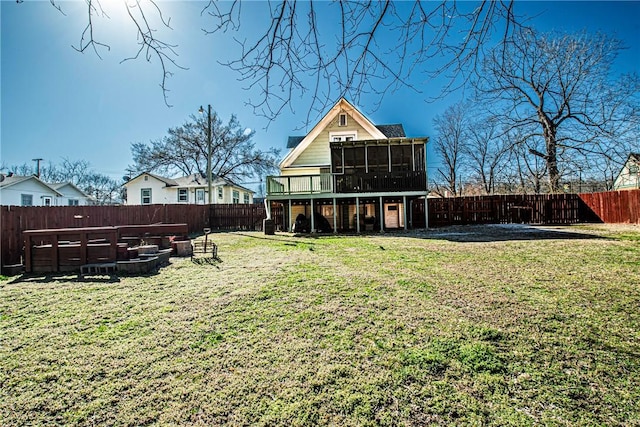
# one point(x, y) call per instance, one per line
point(12, 195)
point(159, 195)
point(70, 193)
point(627, 180)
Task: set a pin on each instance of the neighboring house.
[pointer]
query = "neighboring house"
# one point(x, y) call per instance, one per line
point(352, 174)
point(629, 176)
point(148, 188)
point(71, 195)
point(17, 190)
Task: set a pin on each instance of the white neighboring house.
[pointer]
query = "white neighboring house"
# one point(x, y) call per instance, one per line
point(18, 190)
point(629, 176)
point(71, 195)
point(148, 188)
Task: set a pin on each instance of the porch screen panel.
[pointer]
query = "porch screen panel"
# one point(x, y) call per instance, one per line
point(378, 158)
point(354, 160)
point(419, 156)
point(336, 160)
point(401, 158)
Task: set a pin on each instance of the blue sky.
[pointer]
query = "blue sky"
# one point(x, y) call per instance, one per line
point(57, 103)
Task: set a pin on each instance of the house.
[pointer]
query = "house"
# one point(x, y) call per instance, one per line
point(351, 174)
point(20, 190)
point(629, 176)
point(71, 195)
point(148, 188)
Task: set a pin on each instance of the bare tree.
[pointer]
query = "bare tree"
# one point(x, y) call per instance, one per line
point(560, 88)
point(376, 48)
point(488, 152)
point(184, 151)
point(450, 143)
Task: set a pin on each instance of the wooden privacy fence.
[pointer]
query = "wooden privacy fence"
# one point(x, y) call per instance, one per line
point(607, 207)
point(15, 219)
point(614, 206)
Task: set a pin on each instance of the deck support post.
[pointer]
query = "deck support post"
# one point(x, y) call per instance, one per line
point(313, 222)
point(289, 228)
point(404, 211)
point(335, 218)
point(357, 214)
point(426, 212)
point(381, 215)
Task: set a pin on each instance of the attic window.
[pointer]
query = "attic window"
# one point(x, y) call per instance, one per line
point(342, 119)
point(146, 178)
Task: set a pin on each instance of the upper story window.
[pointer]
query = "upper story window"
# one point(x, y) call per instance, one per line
point(220, 192)
point(146, 177)
point(343, 136)
point(74, 202)
point(145, 196)
point(236, 197)
point(26, 200)
point(246, 198)
point(342, 119)
point(183, 195)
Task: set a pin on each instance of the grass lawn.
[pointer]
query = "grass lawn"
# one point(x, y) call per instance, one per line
point(444, 327)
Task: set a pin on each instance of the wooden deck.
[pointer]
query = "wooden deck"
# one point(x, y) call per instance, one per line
point(69, 249)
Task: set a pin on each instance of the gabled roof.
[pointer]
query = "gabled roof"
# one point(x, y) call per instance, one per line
point(168, 181)
point(60, 185)
point(195, 180)
point(634, 156)
point(341, 105)
point(9, 181)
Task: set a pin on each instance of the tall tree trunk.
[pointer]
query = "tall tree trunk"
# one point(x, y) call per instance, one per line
point(549, 131)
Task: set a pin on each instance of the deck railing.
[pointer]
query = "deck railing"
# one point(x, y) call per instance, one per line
point(300, 184)
point(347, 183)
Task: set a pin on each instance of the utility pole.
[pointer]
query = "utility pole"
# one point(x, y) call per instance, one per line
point(209, 143)
point(37, 166)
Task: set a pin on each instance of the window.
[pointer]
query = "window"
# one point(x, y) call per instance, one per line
point(633, 168)
point(246, 198)
point(74, 202)
point(145, 196)
point(220, 192)
point(146, 178)
point(46, 201)
point(343, 136)
point(236, 197)
point(27, 200)
point(342, 119)
point(200, 196)
point(183, 195)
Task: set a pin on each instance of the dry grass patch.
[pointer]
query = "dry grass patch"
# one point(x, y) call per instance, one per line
point(372, 330)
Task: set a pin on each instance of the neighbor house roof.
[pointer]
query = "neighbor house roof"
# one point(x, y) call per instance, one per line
point(195, 180)
point(170, 182)
point(9, 181)
point(60, 185)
